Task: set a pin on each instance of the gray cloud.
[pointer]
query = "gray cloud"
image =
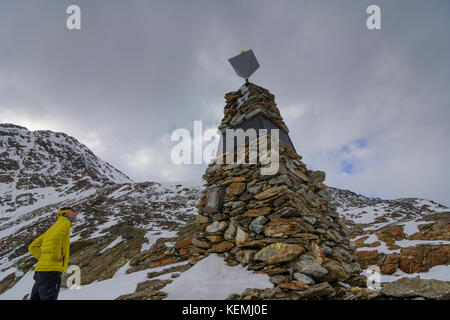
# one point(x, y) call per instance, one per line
point(140, 69)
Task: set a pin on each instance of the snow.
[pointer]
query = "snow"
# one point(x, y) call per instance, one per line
point(107, 289)
point(378, 226)
point(244, 90)
point(432, 206)
point(20, 289)
point(102, 227)
point(119, 192)
point(13, 229)
point(362, 215)
point(154, 235)
point(33, 158)
point(119, 239)
point(121, 283)
point(372, 238)
point(10, 268)
point(209, 279)
point(44, 196)
point(382, 248)
point(441, 273)
point(411, 227)
point(212, 279)
point(184, 184)
point(413, 243)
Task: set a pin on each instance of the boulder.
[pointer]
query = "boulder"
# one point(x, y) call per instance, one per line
point(293, 285)
point(241, 237)
point(202, 219)
point(422, 258)
point(336, 271)
point(216, 226)
point(230, 233)
point(252, 213)
point(7, 282)
point(282, 227)
point(222, 247)
point(257, 225)
point(390, 264)
point(270, 192)
point(245, 256)
point(301, 175)
point(278, 279)
point(201, 243)
point(303, 278)
point(236, 188)
point(309, 266)
point(323, 289)
point(416, 287)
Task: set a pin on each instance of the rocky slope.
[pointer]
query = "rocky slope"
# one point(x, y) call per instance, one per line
point(134, 240)
point(408, 235)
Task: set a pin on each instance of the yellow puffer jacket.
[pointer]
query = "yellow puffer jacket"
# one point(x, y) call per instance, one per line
point(49, 246)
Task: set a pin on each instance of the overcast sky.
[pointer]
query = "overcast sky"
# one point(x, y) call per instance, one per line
point(371, 108)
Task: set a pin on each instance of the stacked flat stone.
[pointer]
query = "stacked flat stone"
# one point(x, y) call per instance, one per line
point(247, 102)
point(282, 224)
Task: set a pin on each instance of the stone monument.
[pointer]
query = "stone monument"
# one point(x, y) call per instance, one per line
point(281, 224)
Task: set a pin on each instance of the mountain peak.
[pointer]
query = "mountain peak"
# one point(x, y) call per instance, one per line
point(35, 164)
point(10, 126)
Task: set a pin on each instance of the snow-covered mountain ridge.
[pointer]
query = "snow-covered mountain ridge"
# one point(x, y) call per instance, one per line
point(43, 167)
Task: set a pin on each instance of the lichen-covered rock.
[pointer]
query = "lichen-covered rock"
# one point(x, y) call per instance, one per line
point(279, 252)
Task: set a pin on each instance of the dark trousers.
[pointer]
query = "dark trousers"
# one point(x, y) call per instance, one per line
point(47, 285)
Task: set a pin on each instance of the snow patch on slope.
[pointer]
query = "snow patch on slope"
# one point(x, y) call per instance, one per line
point(212, 279)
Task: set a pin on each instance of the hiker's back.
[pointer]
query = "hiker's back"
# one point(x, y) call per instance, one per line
point(51, 248)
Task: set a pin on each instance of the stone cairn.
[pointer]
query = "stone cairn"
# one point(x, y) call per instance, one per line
point(282, 225)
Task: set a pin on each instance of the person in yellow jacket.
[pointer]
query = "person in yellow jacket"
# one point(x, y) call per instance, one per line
point(51, 249)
